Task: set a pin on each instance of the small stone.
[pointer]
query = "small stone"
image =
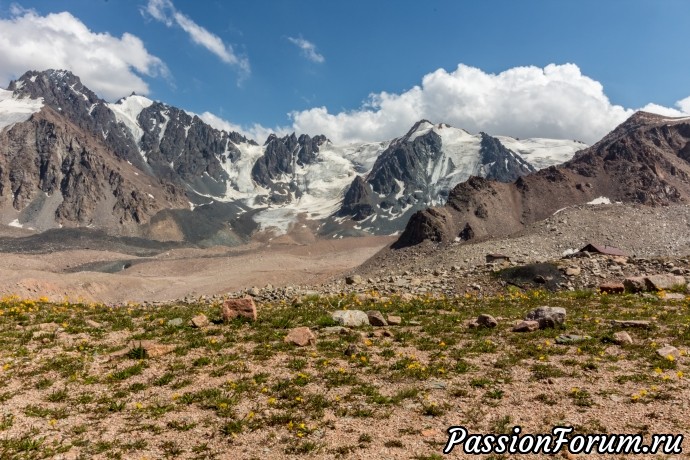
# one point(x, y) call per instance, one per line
point(674, 296)
point(394, 320)
point(622, 338)
point(93, 324)
point(568, 339)
point(573, 271)
point(353, 279)
point(429, 433)
point(407, 297)
point(376, 318)
point(612, 288)
point(669, 352)
point(632, 323)
point(526, 326)
point(351, 318)
point(243, 308)
point(175, 322)
point(487, 321)
point(436, 385)
point(300, 336)
point(254, 292)
point(335, 330)
point(351, 350)
point(199, 321)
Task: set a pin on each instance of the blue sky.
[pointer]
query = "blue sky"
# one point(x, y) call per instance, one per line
point(249, 64)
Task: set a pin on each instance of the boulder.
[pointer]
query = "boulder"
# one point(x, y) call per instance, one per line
point(376, 318)
point(485, 320)
point(612, 288)
point(635, 284)
point(669, 352)
point(573, 271)
point(622, 338)
point(239, 308)
point(353, 279)
point(663, 282)
point(394, 320)
point(547, 317)
point(526, 326)
point(632, 323)
point(300, 336)
point(199, 321)
point(351, 318)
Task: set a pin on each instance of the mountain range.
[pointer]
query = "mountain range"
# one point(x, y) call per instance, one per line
point(139, 167)
point(645, 160)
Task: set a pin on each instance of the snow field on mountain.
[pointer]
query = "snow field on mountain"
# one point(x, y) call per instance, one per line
point(15, 110)
point(542, 153)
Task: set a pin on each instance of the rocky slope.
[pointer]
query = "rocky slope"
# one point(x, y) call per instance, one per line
point(53, 172)
point(645, 160)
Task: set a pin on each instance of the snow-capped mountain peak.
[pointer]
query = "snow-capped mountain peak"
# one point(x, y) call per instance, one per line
point(346, 189)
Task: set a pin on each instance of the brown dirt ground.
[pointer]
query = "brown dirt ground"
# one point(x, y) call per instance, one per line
point(178, 273)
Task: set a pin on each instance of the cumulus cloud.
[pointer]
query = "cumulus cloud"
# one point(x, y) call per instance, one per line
point(164, 11)
point(556, 101)
point(109, 65)
point(256, 131)
point(684, 105)
point(308, 49)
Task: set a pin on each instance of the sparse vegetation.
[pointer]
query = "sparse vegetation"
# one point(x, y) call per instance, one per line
point(240, 382)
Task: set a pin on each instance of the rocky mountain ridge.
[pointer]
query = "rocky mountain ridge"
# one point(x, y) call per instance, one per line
point(235, 185)
point(645, 160)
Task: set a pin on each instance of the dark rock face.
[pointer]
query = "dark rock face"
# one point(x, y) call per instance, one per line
point(175, 146)
point(434, 224)
point(283, 154)
point(500, 163)
point(64, 92)
point(54, 169)
point(412, 173)
point(358, 201)
point(642, 161)
point(173, 137)
point(405, 161)
point(276, 168)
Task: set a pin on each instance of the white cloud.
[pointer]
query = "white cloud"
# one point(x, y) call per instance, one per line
point(684, 105)
point(308, 49)
point(256, 131)
point(110, 66)
point(164, 11)
point(556, 101)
